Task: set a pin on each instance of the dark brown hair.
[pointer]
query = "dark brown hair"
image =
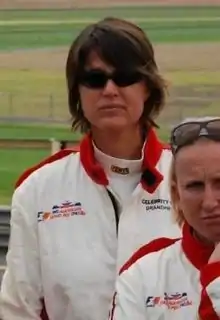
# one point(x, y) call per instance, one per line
point(119, 43)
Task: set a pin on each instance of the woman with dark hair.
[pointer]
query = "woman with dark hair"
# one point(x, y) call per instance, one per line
point(76, 218)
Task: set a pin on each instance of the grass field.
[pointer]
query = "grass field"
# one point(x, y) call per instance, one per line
point(33, 50)
point(34, 29)
point(42, 94)
point(13, 162)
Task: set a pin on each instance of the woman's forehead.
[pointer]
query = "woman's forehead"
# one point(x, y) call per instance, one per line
point(95, 61)
point(202, 155)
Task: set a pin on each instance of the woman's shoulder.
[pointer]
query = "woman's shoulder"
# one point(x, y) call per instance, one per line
point(48, 166)
point(152, 254)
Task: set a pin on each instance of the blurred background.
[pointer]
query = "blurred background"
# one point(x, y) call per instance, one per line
point(34, 40)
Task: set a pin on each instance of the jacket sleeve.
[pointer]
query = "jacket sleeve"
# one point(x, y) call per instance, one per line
point(21, 289)
point(209, 308)
point(128, 301)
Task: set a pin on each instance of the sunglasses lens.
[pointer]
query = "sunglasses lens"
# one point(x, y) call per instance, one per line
point(97, 79)
point(93, 79)
point(189, 132)
point(124, 79)
point(185, 134)
point(213, 128)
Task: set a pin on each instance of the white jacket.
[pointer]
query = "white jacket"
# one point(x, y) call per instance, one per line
point(169, 279)
point(66, 244)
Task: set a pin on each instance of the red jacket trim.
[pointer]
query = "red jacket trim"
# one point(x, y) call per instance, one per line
point(153, 246)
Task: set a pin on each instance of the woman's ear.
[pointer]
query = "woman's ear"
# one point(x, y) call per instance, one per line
point(146, 94)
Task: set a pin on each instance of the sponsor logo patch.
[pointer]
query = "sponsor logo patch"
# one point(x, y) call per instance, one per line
point(65, 210)
point(171, 301)
point(123, 171)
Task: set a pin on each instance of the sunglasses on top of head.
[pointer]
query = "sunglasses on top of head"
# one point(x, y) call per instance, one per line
point(188, 132)
point(97, 79)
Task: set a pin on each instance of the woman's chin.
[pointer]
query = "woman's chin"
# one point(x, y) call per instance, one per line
point(114, 123)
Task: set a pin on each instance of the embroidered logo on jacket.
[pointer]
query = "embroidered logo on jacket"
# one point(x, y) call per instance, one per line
point(119, 170)
point(156, 204)
point(171, 301)
point(65, 210)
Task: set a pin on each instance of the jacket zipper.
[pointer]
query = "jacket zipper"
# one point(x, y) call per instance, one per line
point(115, 207)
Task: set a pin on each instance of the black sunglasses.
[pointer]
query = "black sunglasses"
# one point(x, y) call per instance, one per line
point(97, 79)
point(187, 133)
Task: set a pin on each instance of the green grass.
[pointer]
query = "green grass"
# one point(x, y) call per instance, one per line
point(12, 164)
point(35, 36)
point(51, 28)
point(33, 93)
point(188, 78)
point(14, 161)
point(32, 81)
point(15, 37)
point(36, 131)
point(125, 12)
point(42, 93)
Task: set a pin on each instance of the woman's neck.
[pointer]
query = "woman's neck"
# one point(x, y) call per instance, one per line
point(201, 238)
point(122, 145)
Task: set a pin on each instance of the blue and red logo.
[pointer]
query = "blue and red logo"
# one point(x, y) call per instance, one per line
point(171, 301)
point(65, 210)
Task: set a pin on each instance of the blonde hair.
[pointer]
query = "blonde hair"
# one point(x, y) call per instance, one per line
point(177, 212)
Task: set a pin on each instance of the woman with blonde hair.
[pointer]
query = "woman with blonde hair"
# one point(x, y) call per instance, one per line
point(177, 278)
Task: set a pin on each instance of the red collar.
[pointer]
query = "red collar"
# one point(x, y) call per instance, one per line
point(151, 177)
point(197, 252)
